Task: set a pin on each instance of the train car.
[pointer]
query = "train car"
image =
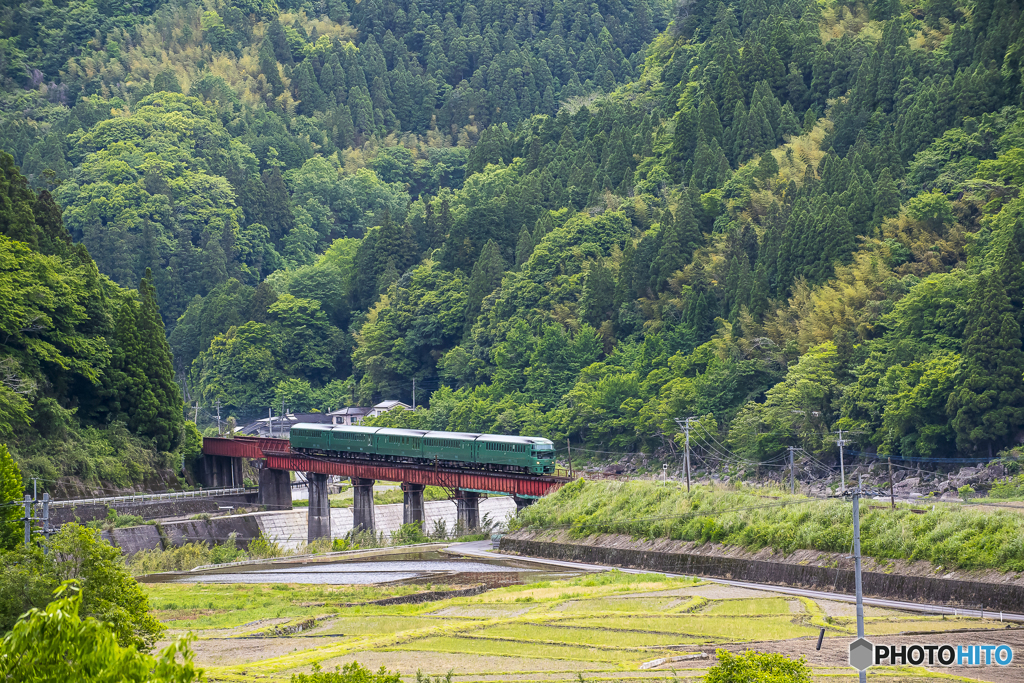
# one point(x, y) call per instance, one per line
point(493, 452)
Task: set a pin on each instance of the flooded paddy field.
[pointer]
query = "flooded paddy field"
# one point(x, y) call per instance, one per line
point(414, 567)
point(512, 620)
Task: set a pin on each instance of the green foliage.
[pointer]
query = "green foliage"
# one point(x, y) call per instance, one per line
point(56, 644)
point(565, 222)
point(954, 536)
point(353, 672)
point(965, 492)
point(757, 667)
point(11, 489)
point(78, 554)
point(260, 548)
point(408, 534)
point(115, 520)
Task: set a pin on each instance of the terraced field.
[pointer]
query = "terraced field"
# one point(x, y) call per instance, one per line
point(601, 627)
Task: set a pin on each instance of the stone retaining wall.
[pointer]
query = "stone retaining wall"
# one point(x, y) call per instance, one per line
point(805, 569)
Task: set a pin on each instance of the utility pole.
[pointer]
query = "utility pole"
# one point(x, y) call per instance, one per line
point(568, 447)
point(856, 569)
point(685, 425)
point(28, 519)
point(219, 433)
point(892, 498)
point(46, 521)
point(686, 457)
point(792, 482)
point(842, 468)
point(414, 393)
point(195, 415)
point(270, 421)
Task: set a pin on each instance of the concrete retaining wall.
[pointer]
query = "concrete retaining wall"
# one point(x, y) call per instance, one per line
point(287, 528)
point(181, 507)
point(827, 571)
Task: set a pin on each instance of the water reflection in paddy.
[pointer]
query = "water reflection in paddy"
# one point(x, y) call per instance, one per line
point(432, 567)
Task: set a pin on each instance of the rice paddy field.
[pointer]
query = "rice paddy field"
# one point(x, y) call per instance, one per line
point(597, 627)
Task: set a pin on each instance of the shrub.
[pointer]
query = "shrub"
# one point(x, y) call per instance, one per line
point(56, 644)
point(115, 520)
point(965, 492)
point(408, 534)
point(319, 545)
point(261, 548)
point(350, 673)
point(757, 667)
point(227, 551)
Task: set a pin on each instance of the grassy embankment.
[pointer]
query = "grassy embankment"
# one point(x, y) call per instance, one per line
point(601, 625)
point(950, 535)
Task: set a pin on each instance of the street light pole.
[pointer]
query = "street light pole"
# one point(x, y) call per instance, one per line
point(856, 569)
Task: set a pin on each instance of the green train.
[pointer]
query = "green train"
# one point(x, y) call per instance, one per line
point(493, 452)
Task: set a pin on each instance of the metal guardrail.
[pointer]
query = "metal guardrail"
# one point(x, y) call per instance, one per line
point(149, 497)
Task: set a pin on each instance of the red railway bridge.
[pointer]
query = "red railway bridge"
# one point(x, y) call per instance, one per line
point(275, 461)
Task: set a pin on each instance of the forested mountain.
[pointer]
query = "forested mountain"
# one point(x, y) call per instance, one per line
point(577, 220)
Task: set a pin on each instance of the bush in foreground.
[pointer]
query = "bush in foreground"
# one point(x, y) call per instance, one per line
point(353, 672)
point(56, 644)
point(757, 667)
point(76, 553)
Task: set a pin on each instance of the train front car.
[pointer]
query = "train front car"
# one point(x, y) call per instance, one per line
point(516, 453)
point(543, 455)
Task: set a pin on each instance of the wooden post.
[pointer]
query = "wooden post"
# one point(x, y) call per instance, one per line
point(568, 447)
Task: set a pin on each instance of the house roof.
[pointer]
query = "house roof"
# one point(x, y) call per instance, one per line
point(351, 410)
point(388, 405)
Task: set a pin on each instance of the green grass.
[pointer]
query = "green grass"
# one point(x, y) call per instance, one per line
point(581, 636)
point(950, 536)
point(377, 625)
point(755, 606)
point(512, 648)
point(619, 605)
point(721, 627)
point(231, 605)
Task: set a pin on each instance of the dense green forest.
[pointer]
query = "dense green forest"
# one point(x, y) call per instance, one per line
point(559, 218)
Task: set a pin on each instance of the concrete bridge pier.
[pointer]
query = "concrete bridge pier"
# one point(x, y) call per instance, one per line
point(362, 504)
point(412, 504)
point(467, 509)
point(275, 489)
point(523, 503)
point(220, 471)
point(319, 507)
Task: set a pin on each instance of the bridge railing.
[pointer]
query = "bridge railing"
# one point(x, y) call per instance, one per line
point(149, 497)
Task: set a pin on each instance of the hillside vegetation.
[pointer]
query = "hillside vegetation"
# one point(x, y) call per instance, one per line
point(568, 219)
point(944, 535)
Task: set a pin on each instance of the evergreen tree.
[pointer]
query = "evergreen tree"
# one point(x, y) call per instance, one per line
point(158, 364)
point(987, 405)
point(524, 247)
point(11, 490)
point(166, 80)
point(887, 198)
point(597, 302)
point(276, 212)
point(1012, 276)
point(130, 395)
point(486, 276)
point(679, 238)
